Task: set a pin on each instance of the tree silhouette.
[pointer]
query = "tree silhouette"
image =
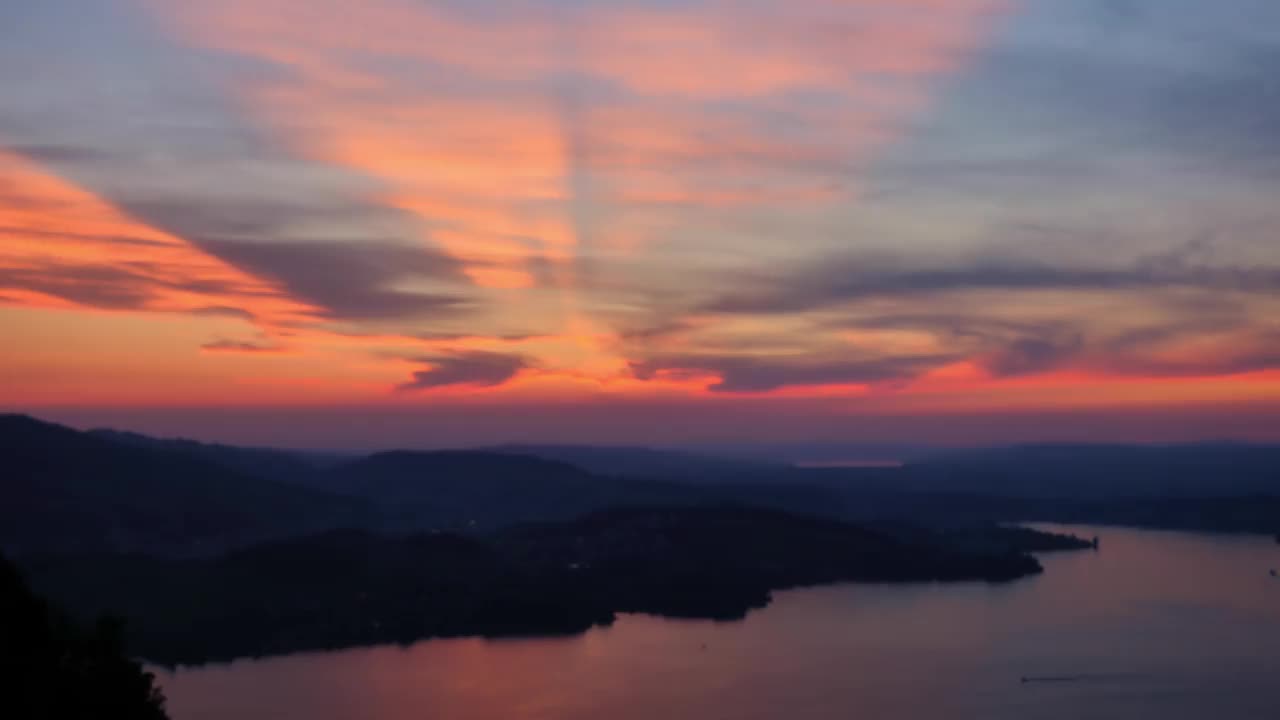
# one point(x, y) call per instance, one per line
point(51, 668)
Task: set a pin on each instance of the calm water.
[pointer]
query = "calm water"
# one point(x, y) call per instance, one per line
point(1155, 625)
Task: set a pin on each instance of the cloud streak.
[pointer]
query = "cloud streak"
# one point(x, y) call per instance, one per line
point(757, 374)
point(351, 280)
point(844, 279)
point(476, 369)
point(242, 347)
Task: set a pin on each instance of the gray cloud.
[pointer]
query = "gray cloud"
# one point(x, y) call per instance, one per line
point(106, 286)
point(1001, 350)
point(1009, 348)
point(122, 240)
point(349, 280)
point(1252, 348)
point(476, 368)
point(1028, 355)
point(1094, 94)
point(759, 374)
point(1002, 346)
point(235, 346)
point(1220, 114)
point(435, 336)
point(223, 311)
point(68, 153)
point(839, 280)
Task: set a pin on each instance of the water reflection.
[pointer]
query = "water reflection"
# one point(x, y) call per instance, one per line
point(1156, 624)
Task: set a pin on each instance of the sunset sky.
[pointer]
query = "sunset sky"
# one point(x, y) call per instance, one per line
point(323, 223)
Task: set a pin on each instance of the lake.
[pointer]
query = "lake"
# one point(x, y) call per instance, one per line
point(1153, 625)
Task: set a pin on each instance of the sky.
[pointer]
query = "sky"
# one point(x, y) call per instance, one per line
point(324, 223)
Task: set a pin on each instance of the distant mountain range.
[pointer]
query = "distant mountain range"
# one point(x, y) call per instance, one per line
point(66, 490)
point(69, 491)
point(650, 463)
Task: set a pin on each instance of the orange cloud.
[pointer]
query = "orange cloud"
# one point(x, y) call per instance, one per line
point(64, 247)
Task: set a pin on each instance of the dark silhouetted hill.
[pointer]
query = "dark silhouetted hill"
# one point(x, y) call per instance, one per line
point(70, 491)
point(287, 466)
point(679, 561)
point(346, 588)
point(475, 490)
point(650, 463)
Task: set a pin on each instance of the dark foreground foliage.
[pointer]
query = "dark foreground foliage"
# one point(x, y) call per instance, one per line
point(54, 669)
